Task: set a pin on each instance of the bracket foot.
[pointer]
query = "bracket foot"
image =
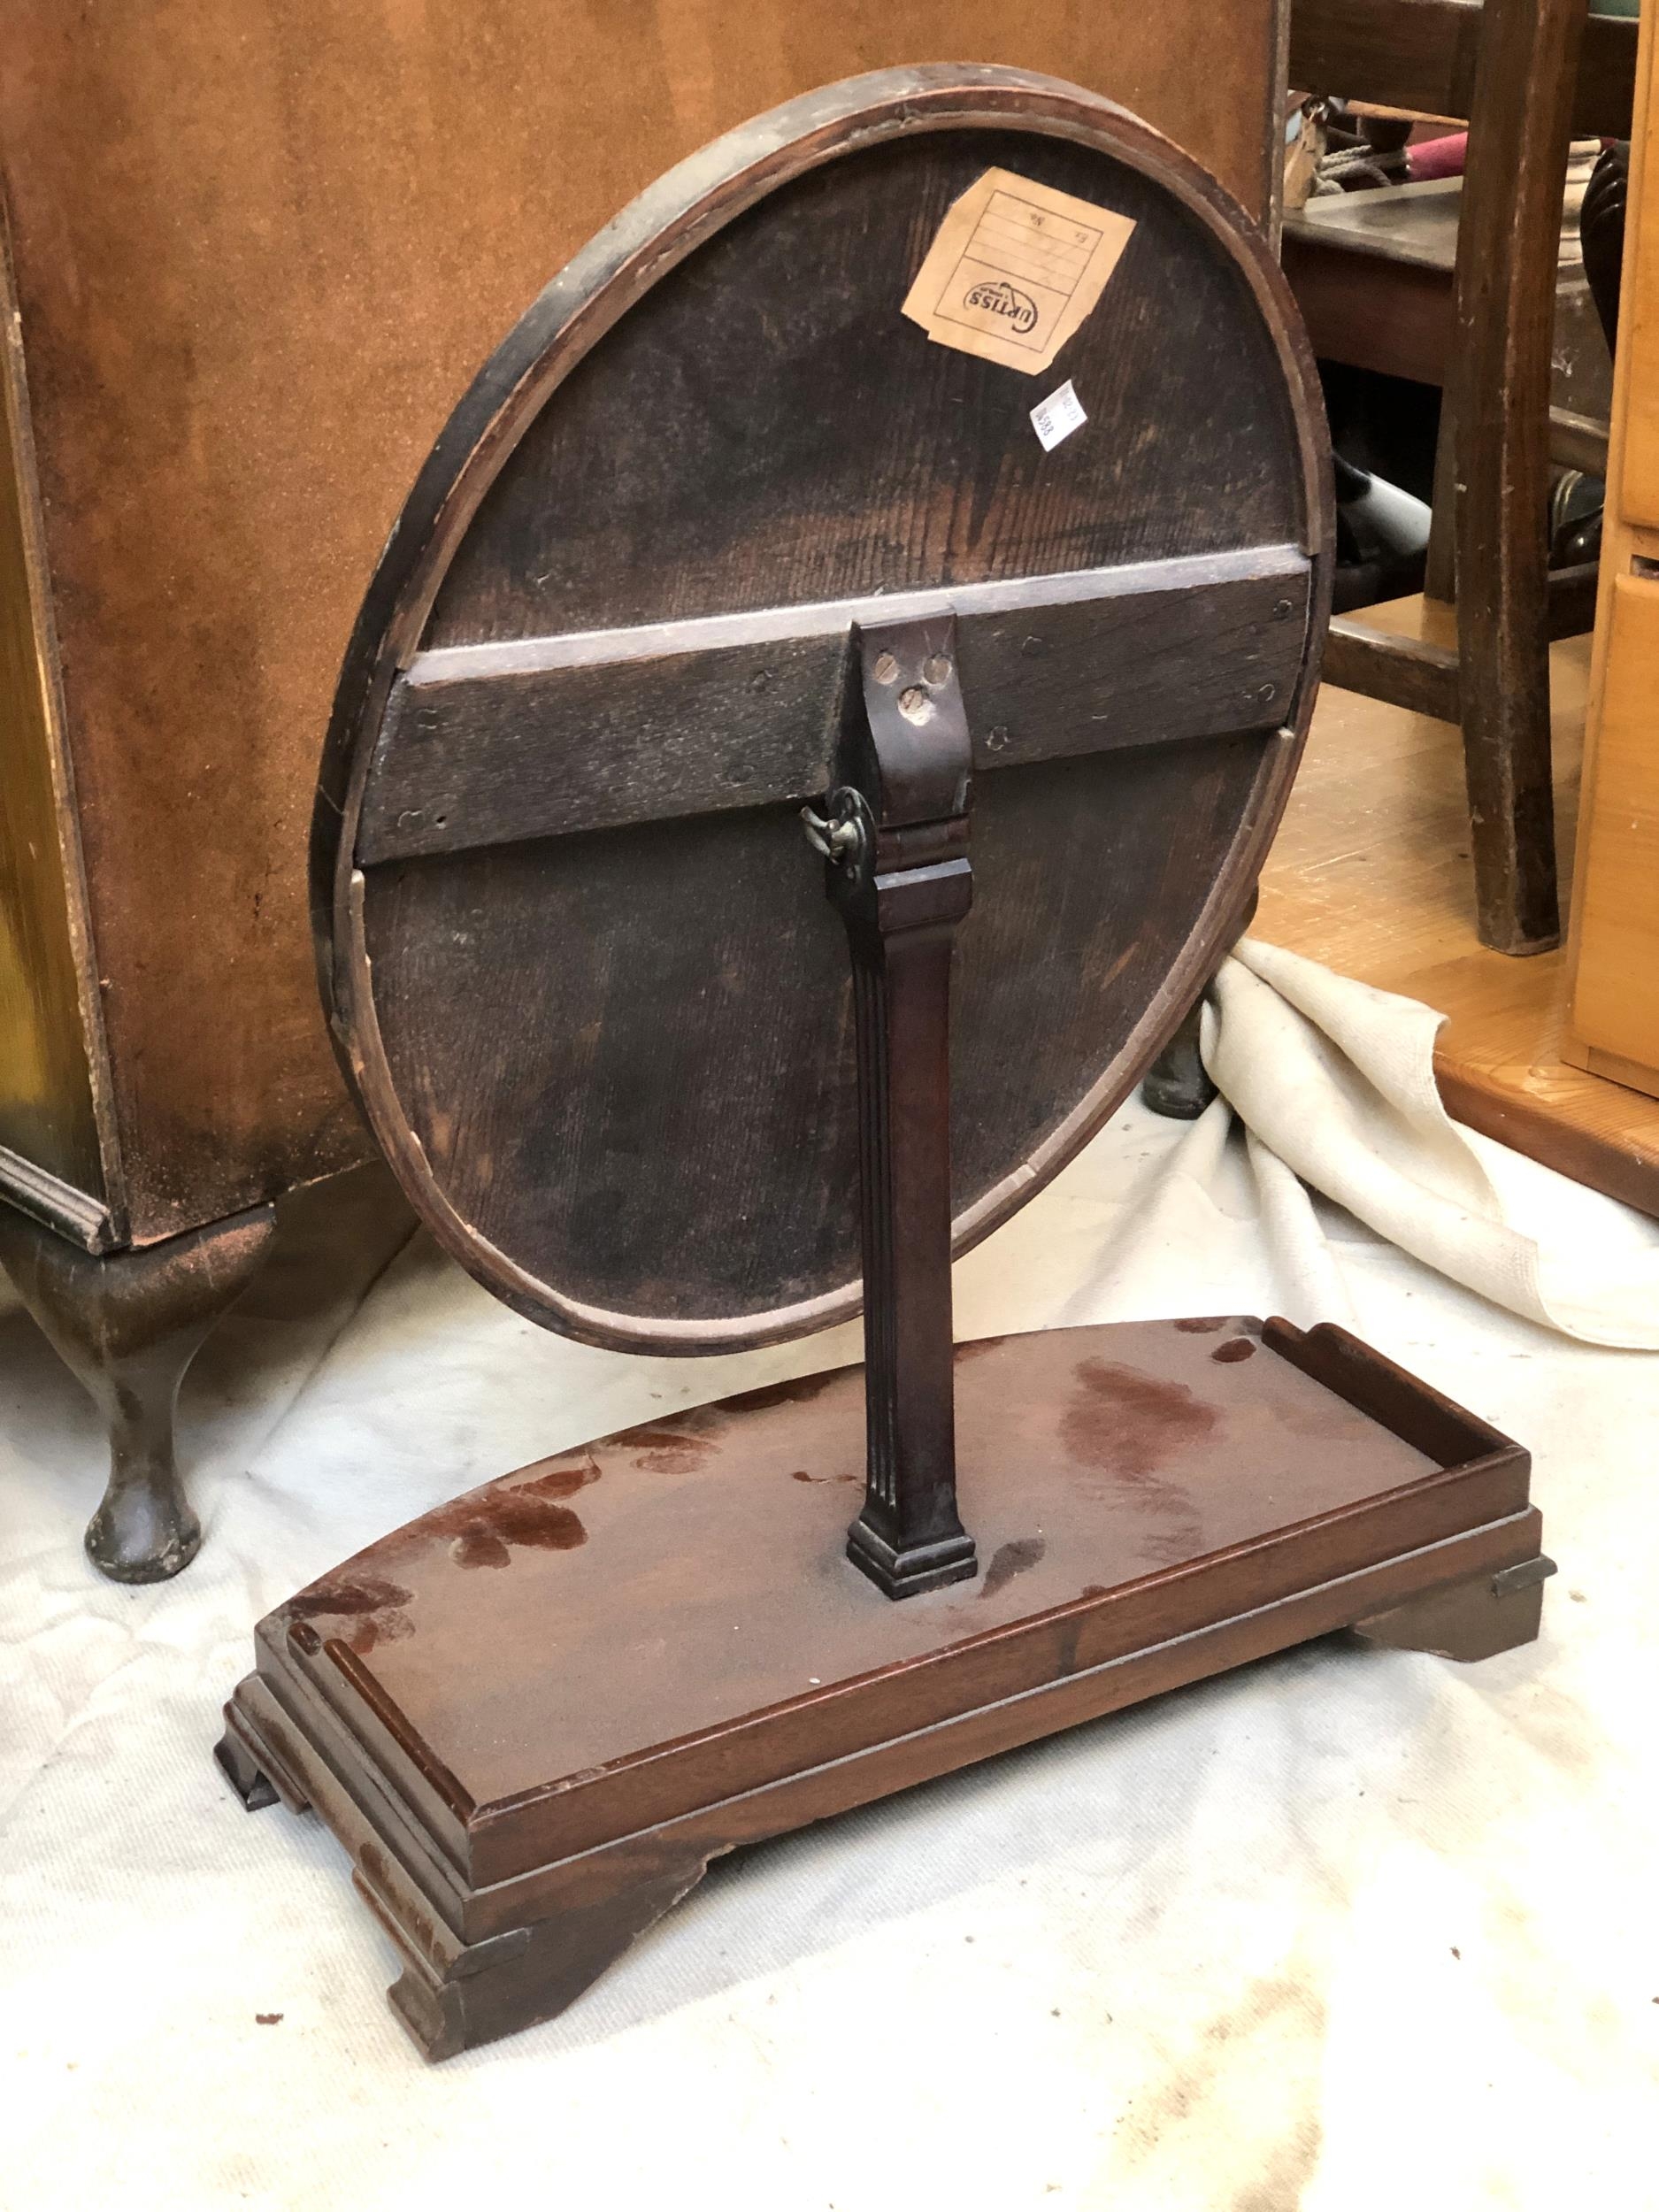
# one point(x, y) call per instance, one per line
point(1468, 1620)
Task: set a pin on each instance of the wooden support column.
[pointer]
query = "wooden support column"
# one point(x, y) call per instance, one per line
point(896, 842)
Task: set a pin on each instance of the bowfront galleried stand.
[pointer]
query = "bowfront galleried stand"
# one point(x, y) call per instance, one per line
point(725, 561)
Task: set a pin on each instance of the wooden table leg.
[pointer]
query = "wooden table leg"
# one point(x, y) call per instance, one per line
point(127, 1326)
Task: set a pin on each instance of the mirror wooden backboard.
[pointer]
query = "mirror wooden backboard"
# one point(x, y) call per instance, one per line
point(579, 961)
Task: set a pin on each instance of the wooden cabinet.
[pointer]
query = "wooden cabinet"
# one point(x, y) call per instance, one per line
point(1613, 1009)
point(256, 255)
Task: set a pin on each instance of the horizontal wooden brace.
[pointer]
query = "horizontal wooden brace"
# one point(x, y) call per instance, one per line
point(495, 744)
point(1405, 672)
point(1426, 679)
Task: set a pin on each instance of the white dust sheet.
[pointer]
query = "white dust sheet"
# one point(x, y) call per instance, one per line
point(1348, 1929)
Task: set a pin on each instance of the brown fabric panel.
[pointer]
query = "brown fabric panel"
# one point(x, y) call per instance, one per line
point(260, 250)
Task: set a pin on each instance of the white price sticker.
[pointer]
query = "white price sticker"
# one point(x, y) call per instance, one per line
point(1058, 417)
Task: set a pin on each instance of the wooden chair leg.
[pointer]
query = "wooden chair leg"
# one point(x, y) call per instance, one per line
point(127, 1326)
point(1507, 250)
point(1439, 576)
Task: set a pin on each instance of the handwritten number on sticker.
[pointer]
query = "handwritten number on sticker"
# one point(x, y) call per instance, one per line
point(1056, 417)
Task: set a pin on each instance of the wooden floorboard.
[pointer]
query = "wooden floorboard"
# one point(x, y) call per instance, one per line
point(1370, 875)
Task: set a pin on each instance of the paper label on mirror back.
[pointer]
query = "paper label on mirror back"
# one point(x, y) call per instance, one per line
point(1015, 270)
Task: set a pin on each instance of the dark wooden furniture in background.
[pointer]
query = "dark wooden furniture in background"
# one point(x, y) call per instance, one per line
point(1367, 875)
point(250, 269)
point(701, 546)
point(1529, 74)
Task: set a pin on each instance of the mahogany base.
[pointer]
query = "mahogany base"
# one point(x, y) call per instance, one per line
point(534, 1715)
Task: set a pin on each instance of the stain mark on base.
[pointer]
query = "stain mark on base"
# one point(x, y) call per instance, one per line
point(1128, 1424)
point(1010, 1560)
point(486, 1525)
point(797, 1393)
point(368, 1594)
point(373, 1606)
point(660, 1450)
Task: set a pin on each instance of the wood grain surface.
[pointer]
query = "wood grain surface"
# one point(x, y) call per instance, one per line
point(1633, 487)
point(494, 742)
point(609, 1051)
point(259, 252)
point(1614, 963)
point(1613, 977)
